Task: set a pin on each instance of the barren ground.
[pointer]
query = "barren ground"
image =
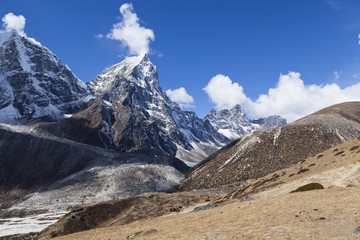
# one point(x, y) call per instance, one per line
point(275, 213)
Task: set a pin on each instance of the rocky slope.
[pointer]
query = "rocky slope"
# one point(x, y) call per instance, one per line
point(262, 152)
point(34, 83)
point(61, 173)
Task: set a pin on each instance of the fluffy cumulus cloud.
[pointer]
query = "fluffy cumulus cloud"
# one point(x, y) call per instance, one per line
point(291, 98)
point(224, 93)
point(181, 97)
point(12, 22)
point(137, 38)
point(16, 23)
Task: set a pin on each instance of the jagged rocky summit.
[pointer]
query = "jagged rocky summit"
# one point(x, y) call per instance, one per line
point(34, 83)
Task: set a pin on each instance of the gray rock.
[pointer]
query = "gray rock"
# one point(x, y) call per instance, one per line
point(205, 207)
point(247, 199)
point(357, 230)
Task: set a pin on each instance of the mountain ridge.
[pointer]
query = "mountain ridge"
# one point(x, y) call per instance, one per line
point(262, 152)
point(132, 113)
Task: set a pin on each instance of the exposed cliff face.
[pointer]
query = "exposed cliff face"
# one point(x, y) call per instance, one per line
point(34, 83)
point(262, 152)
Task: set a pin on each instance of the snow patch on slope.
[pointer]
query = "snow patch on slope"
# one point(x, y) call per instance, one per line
point(28, 224)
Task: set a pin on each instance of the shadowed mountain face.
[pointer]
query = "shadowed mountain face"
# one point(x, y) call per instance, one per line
point(67, 173)
point(262, 152)
point(42, 160)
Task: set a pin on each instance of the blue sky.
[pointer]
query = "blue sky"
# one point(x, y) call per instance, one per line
point(314, 44)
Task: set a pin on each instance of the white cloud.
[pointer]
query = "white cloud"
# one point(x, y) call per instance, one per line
point(99, 36)
point(181, 97)
point(359, 38)
point(291, 98)
point(12, 22)
point(224, 93)
point(130, 33)
point(337, 75)
point(356, 75)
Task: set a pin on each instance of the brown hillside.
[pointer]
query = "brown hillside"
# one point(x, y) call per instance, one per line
point(263, 152)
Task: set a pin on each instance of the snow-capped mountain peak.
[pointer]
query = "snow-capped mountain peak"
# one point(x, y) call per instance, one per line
point(136, 70)
point(145, 119)
point(34, 83)
point(233, 123)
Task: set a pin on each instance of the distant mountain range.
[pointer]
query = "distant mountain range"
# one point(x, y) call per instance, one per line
point(116, 136)
point(123, 108)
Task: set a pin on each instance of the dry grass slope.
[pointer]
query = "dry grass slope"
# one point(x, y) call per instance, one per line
point(275, 213)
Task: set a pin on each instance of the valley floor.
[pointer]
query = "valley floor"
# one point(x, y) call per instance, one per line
point(321, 214)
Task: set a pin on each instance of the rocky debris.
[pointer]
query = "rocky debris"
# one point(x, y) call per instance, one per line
point(205, 207)
point(247, 199)
point(141, 233)
point(262, 152)
point(27, 236)
point(134, 235)
point(68, 173)
point(176, 209)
